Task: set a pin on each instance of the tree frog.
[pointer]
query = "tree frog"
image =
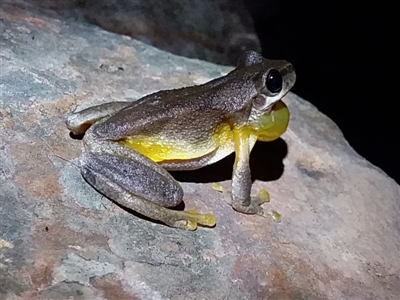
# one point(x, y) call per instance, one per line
point(129, 146)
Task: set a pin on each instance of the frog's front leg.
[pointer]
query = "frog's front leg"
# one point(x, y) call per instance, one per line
point(134, 181)
point(241, 178)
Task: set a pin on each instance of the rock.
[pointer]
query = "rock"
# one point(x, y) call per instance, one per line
point(213, 30)
point(339, 237)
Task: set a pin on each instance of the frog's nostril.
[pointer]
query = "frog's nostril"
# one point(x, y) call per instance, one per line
point(289, 69)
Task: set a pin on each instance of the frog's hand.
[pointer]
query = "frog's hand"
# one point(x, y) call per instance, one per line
point(241, 179)
point(79, 122)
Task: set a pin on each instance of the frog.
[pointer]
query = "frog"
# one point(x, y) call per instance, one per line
point(130, 146)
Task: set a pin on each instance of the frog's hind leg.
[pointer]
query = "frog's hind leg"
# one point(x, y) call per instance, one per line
point(79, 122)
point(132, 185)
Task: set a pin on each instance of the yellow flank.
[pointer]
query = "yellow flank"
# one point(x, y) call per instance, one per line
point(223, 135)
point(267, 128)
point(160, 149)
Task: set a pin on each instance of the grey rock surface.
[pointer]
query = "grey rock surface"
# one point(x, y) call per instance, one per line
point(339, 237)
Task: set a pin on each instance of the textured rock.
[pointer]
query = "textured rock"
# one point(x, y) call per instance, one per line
point(339, 237)
point(213, 30)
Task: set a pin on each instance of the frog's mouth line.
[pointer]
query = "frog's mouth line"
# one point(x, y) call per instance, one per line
point(269, 109)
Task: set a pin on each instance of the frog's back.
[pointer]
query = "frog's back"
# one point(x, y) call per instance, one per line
point(188, 113)
point(184, 124)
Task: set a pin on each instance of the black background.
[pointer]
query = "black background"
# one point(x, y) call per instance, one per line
point(346, 57)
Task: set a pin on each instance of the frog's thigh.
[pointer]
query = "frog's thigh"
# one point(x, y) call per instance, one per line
point(140, 188)
point(135, 177)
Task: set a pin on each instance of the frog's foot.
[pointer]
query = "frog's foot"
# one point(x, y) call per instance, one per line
point(189, 219)
point(253, 207)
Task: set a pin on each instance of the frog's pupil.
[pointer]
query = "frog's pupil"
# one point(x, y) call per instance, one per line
point(274, 81)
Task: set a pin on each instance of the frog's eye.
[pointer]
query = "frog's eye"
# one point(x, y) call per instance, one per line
point(274, 81)
point(260, 102)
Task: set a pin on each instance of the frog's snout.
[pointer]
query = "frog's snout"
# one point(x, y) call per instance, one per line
point(289, 75)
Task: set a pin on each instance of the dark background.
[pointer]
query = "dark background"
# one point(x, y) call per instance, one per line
point(346, 57)
point(345, 54)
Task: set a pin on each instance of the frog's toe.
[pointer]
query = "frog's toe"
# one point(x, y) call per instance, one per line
point(191, 225)
point(263, 196)
point(189, 220)
point(185, 224)
point(208, 220)
point(253, 208)
point(257, 209)
point(182, 224)
point(276, 216)
point(217, 187)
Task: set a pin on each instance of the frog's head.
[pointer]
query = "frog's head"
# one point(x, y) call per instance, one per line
point(271, 80)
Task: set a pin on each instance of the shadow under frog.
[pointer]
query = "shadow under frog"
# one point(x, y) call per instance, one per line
point(266, 164)
point(129, 146)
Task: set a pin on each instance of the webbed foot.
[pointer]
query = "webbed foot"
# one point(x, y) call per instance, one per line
point(189, 219)
point(254, 207)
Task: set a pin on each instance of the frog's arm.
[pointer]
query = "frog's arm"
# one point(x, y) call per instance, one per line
point(241, 179)
point(268, 128)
